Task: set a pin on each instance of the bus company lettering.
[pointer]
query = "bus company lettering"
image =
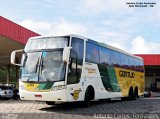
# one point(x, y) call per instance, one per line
point(126, 74)
point(91, 70)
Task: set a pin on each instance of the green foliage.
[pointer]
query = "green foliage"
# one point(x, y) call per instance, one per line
point(3, 76)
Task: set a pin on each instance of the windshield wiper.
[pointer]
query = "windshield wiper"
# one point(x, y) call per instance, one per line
point(37, 65)
point(41, 64)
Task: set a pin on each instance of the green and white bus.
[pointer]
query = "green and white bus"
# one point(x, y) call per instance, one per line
point(74, 68)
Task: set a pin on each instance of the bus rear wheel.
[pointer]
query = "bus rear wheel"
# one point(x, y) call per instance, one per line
point(131, 95)
point(136, 92)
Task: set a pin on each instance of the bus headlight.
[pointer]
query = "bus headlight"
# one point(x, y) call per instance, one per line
point(60, 87)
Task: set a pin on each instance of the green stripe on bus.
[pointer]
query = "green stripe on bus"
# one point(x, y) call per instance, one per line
point(45, 86)
point(109, 78)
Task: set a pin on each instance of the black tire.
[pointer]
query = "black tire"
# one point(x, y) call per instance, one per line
point(50, 103)
point(136, 93)
point(87, 99)
point(16, 97)
point(124, 98)
point(131, 95)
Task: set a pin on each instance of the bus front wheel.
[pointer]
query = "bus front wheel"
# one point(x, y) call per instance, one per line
point(89, 95)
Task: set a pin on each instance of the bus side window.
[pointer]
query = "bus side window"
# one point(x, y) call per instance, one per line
point(92, 53)
point(141, 66)
point(104, 55)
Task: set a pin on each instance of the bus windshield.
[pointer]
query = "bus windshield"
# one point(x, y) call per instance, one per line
point(43, 66)
point(47, 43)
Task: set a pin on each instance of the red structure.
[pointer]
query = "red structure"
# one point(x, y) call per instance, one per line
point(14, 31)
point(152, 70)
point(12, 37)
point(150, 59)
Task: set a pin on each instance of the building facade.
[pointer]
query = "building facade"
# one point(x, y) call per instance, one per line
point(152, 71)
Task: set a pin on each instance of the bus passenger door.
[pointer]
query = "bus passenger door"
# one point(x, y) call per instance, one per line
point(74, 84)
point(73, 80)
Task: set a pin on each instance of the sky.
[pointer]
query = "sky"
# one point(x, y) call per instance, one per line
point(133, 29)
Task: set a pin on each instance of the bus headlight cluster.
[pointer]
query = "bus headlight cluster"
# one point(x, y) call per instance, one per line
point(60, 87)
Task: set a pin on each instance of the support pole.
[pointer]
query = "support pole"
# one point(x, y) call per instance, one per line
point(17, 72)
point(8, 74)
point(154, 77)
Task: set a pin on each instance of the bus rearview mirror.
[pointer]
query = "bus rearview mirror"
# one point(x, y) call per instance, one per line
point(13, 57)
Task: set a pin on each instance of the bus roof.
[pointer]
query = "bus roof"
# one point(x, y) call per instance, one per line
point(92, 41)
point(107, 46)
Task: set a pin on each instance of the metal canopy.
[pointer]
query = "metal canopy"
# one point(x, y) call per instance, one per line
point(6, 47)
point(12, 37)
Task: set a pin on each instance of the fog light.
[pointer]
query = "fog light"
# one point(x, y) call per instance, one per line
point(60, 87)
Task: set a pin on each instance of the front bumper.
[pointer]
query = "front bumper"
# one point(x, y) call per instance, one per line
point(58, 95)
